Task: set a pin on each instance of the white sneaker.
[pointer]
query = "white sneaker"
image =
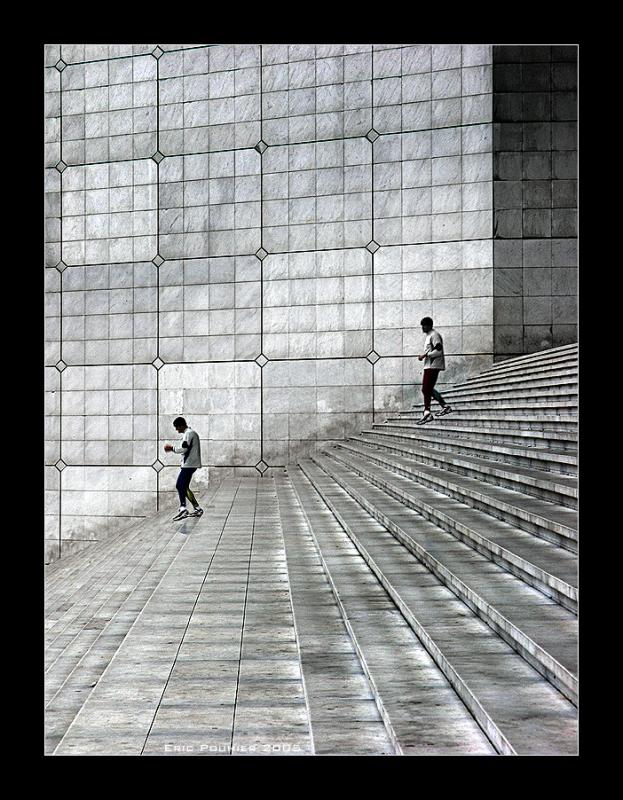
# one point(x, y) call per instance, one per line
point(428, 417)
point(181, 514)
point(445, 410)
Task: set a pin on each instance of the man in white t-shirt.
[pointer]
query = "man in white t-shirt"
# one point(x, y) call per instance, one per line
point(190, 450)
point(434, 362)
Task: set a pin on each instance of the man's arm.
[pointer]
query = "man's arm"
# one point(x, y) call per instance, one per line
point(430, 349)
point(184, 445)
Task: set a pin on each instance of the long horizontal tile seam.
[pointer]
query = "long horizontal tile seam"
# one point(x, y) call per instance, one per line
point(315, 223)
point(273, 307)
point(282, 252)
point(277, 359)
point(269, 64)
point(289, 144)
point(262, 91)
point(490, 62)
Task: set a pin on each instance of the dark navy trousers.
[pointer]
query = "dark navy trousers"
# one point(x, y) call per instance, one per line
point(183, 482)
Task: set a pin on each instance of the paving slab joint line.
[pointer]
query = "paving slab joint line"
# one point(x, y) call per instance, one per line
point(533, 653)
point(112, 660)
point(280, 485)
point(460, 687)
point(550, 585)
point(377, 696)
point(244, 614)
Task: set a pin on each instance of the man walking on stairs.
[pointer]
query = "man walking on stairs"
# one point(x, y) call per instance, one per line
point(190, 450)
point(434, 362)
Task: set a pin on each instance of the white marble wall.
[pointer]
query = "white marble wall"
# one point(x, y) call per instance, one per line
point(249, 235)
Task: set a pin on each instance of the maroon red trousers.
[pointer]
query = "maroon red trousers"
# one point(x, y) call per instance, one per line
point(429, 380)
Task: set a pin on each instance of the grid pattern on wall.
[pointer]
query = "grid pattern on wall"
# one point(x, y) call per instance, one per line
point(535, 197)
point(248, 235)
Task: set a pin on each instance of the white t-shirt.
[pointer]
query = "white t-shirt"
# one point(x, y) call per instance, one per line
point(436, 358)
point(190, 449)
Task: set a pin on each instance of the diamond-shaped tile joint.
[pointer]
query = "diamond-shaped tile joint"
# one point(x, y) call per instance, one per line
point(261, 146)
point(158, 260)
point(158, 156)
point(372, 246)
point(261, 467)
point(60, 365)
point(373, 356)
point(60, 65)
point(261, 253)
point(157, 52)
point(157, 363)
point(61, 166)
point(372, 135)
point(261, 360)
point(60, 465)
point(157, 465)
point(61, 266)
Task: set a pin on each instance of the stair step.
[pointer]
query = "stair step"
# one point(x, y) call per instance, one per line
point(518, 709)
point(350, 721)
point(528, 438)
point(531, 388)
point(528, 621)
point(552, 522)
point(503, 421)
point(534, 367)
point(536, 483)
point(553, 460)
point(542, 563)
point(557, 377)
point(543, 356)
point(544, 408)
point(401, 671)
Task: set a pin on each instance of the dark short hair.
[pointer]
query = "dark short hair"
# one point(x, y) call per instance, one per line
point(426, 321)
point(179, 421)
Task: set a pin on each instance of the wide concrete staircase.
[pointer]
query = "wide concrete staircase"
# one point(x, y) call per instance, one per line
point(410, 590)
point(469, 525)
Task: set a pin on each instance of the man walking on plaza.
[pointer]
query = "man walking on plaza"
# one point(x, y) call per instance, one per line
point(434, 362)
point(190, 450)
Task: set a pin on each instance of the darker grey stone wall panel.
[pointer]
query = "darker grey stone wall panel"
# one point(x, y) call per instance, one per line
point(535, 196)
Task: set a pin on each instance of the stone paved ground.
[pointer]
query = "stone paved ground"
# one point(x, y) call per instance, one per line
point(212, 663)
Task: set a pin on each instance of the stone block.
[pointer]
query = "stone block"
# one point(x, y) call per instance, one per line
point(537, 194)
point(508, 311)
point(508, 224)
point(564, 222)
point(537, 223)
point(509, 339)
point(477, 108)
point(537, 281)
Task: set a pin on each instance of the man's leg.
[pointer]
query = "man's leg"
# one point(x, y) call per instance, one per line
point(428, 382)
point(192, 498)
point(189, 493)
point(445, 408)
point(438, 398)
point(183, 479)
